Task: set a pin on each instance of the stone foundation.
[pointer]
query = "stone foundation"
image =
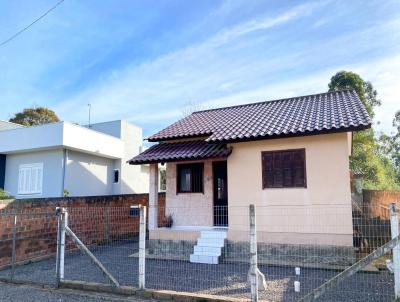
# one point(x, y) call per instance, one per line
point(293, 253)
point(171, 248)
point(268, 253)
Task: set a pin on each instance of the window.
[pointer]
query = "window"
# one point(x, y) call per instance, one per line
point(284, 169)
point(116, 176)
point(30, 179)
point(190, 178)
point(163, 180)
point(134, 211)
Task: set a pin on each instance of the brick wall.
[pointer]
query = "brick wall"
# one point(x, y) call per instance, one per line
point(92, 219)
point(377, 200)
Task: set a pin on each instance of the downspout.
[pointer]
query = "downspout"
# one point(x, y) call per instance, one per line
point(64, 170)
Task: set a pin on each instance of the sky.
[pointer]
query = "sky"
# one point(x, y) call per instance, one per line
point(149, 61)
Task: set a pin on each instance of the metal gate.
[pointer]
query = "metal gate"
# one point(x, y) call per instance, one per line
point(96, 246)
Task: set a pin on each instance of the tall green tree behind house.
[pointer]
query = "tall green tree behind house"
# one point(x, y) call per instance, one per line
point(350, 80)
point(368, 157)
point(35, 116)
point(390, 145)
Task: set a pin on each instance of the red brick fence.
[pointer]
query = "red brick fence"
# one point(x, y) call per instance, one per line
point(36, 226)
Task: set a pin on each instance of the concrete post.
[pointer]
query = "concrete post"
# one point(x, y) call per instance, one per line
point(253, 254)
point(142, 247)
point(394, 229)
point(62, 224)
point(153, 197)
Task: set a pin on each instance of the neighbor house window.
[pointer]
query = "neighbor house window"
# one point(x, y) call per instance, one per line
point(190, 178)
point(116, 176)
point(284, 169)
point(30, 179)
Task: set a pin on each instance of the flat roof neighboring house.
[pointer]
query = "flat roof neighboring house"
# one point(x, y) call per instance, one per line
point(4, 125)
point(64, 158)
point(289, 157)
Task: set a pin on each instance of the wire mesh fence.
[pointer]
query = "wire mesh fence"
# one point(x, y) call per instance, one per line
point(206, 250)
point(112, 235)
point(321, 241)
point(27, 242)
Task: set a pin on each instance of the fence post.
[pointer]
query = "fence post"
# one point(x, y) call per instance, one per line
point(253, 254)
point(394, 229)
point(14, 247)
point(142, 247)
point(62, 222)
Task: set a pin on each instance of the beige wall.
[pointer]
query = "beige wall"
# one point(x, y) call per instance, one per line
point(318, 214)
point(190, 209)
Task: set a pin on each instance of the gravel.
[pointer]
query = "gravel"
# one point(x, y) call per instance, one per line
point(224, 279)
point(26, 293)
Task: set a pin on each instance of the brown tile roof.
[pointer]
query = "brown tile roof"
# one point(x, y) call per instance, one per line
point(191, 150)
point(312, 114)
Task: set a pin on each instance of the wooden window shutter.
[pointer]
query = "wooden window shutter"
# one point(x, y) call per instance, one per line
point(287, 158)
point(278, 170)
point(267, 169)
point(298, 168)
point(283, 169)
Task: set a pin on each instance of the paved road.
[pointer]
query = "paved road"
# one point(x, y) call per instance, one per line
point(25, 293)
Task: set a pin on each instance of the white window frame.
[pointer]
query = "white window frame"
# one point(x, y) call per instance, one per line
point(30, 179)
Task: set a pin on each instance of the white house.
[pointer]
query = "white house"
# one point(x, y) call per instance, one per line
point(63, 158)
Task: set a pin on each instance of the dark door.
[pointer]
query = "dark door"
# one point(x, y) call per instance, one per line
point(220, 193)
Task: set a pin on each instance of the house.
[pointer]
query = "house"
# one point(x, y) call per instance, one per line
point(62, 158)
point(288, 157)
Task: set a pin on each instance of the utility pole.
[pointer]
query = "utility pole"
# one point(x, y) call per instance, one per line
point(90, 107)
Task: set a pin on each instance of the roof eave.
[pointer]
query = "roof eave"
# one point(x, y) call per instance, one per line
point(191, 159)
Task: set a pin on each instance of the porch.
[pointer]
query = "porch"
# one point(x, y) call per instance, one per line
point(196, 186)
point(191, 233)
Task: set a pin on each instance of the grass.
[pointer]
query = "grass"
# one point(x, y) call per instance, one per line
point(4, 195)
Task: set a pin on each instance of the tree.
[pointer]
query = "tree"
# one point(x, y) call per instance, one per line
point(370, 155)
point(364, 89)
point(35, 116)
point(390, 145)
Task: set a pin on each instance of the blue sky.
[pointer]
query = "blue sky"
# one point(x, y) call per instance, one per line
point(145, 61)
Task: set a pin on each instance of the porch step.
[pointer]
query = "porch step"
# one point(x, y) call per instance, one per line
point(212, 242)
point(203, 259)
point(209, 247)
point(207, 250)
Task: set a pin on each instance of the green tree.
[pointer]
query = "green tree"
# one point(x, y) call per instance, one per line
point(390, 145)
point(369, 156)
point(35, 116)
point(364, 89)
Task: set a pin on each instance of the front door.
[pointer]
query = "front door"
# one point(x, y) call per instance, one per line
point(220, 193)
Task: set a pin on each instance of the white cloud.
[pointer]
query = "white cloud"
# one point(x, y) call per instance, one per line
point(180, 77)
point(383, 73)
point(232, 67)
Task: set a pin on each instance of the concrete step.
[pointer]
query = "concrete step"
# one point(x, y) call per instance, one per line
point(213, 234)
point(201, 250)
point(203, 259)
point(213, 242)
point(208, 253)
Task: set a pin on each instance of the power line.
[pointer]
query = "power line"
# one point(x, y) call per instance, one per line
point(27, 27)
